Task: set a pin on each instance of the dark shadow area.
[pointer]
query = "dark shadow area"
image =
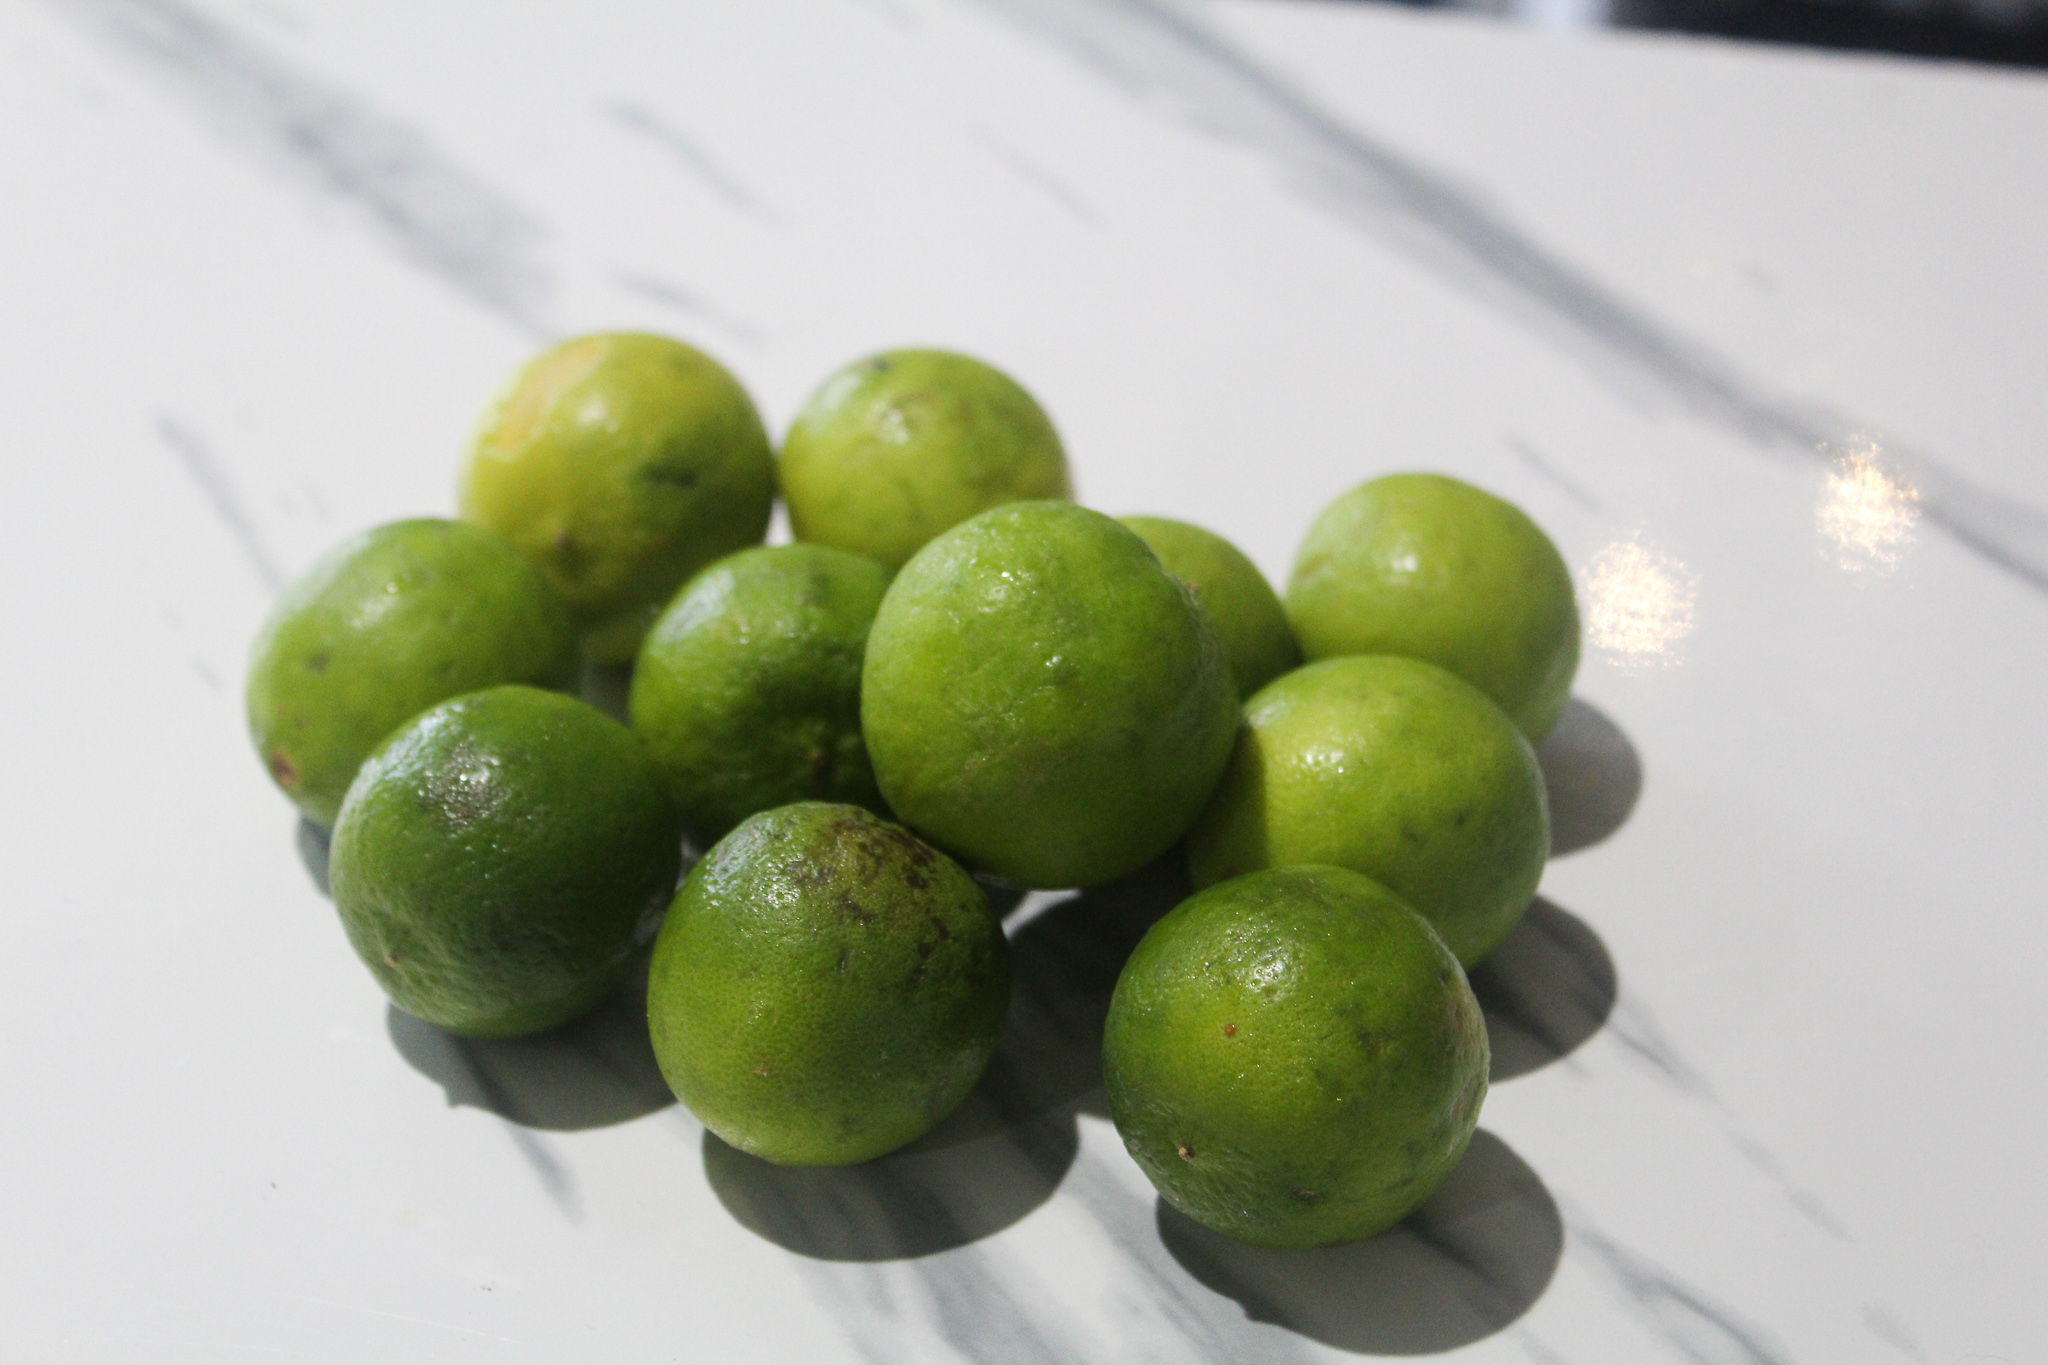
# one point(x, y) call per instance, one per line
point(313, 841)
point(2009, 34)
point(1593, 776)
point(1547, 989)
point(1462, 1267)
point(593, 1072)
point(1005, 1151)
point(2001, 32)
point(1065, 964)
point(977, 1173)
point(607, 687)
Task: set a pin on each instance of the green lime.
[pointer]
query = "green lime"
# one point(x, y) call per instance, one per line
point(827, 987)
point(748, 688)
point(1257, 641)
point(499, 860)
point(1294, 1058)
point(621, 464)
point(1394, 768)
point(894, 449)
point(382, 627)
point(1432, 568)
point(1043, 699)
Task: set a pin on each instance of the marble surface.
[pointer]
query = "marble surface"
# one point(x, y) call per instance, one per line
point(1756, 336)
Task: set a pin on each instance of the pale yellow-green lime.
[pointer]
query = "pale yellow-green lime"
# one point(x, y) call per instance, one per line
point(1257, 641)
point(1043, 699)
point(1430, 567)
point(827, 986)
point(747, 690)
point(1294, 1057)
point(500, 859)
point(620, 464)
point(1394, 768)
point(894, 449)
point(382, 627)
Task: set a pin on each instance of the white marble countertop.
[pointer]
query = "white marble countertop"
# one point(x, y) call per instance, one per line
point(1771, 1077)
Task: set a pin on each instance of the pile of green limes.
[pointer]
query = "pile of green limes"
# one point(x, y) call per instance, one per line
point(953, 667)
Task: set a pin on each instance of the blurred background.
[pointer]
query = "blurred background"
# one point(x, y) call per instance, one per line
point(2008, 32)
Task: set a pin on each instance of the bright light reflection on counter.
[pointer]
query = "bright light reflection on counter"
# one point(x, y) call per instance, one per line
point(1866, 514)
point(1639, 603)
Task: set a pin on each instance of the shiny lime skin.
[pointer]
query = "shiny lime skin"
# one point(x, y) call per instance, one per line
point(1294, 1058)
point(499, 861)
point(621, 464)
point(1433, 568)
point(827, 986)
point(747, 691)
point(1393, 768)
point(1044, 700)
point(382, 627)
point(894, 449)
point(1257, 641)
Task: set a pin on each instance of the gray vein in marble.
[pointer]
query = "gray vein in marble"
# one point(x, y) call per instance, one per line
point(554, 1177)
point(206, 674)
point(1534, 1347)
point(685, 152)
point(1694, 1327)
point(1208, 1328)
point(1886, 1327)
point(1804, 1200)
point(1633, 1026)
point(1551, 475)
point(220, 494)
point(681, 300)
point(315, 134)
point(1037, 177)
point(1163, 55)
point(974, 1305)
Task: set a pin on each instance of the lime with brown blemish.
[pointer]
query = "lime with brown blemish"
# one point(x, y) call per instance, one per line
point(1257, 641)
point(827, 986)
point(382, 627)
point(500, 861)
point(747, 690)
point(894, 449)
point(1430, 567)
point(1394, 768)
point(621, 464)
point(1043, 699)
point(1294, 1058)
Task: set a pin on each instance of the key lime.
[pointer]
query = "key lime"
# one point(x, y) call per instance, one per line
point(1294, 1058)
point(747, 691)
point(827, 987)
point(620, 464)
point(894, 449)
point(384, 626)
point(1043, 699)
point(1432, 568)
point(499, 860)
point(1257, 641)
point(1393, 768)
